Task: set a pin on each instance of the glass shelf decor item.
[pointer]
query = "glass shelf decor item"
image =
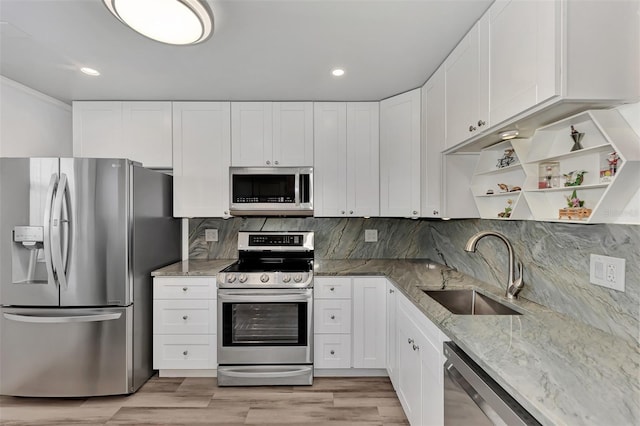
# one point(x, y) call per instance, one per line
point(549, 175)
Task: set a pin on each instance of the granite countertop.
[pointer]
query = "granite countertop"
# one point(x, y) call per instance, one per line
point(562, 371)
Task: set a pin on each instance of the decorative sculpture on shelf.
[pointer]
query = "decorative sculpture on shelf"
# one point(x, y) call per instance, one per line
point(508, 188)
point(577, 137)
point(507, 159)
point(575, 209)
point(576, 180)
point(507, 210)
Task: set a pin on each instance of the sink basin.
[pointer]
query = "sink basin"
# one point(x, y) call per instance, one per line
point(469, 302)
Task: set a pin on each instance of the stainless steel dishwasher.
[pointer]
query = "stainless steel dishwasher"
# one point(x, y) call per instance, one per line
point(471, 397)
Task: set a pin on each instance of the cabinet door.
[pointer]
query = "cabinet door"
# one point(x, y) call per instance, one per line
point(146, 130)
point(457, 197)
point(201, 137)
point(400, 155)
point(433, 113)
point(369, 318)
point(97, 130)
point(522, 56)
point(330, 170)
point(392, 334)
point(409, 388)
point(363, 159)
point(251, 134)
point(467, 82)
point(292, 134)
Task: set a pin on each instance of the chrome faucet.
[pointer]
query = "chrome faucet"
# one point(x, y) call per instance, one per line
point(513, 285)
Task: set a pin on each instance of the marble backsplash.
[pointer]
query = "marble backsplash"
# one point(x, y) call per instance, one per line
point(555, 256)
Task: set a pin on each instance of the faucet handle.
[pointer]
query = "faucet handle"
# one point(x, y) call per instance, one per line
point(516, 285)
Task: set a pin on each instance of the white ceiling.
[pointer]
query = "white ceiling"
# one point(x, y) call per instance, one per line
point(260, 50)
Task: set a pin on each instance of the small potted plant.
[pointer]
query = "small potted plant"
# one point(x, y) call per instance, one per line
point(575, 208)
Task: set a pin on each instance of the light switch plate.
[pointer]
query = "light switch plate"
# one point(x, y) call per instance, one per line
point(607, 271)
point(211, 235)
point(370, 235)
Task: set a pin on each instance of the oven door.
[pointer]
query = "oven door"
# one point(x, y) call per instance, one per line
point(265, 326)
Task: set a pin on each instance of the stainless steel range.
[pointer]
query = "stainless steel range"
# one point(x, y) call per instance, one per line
point(265, 311)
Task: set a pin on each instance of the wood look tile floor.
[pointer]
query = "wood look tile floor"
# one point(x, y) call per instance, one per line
point(199, 401)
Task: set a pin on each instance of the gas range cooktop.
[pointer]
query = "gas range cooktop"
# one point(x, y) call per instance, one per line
point(271, 260)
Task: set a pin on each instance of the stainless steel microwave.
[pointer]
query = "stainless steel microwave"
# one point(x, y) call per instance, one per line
point(271, 191)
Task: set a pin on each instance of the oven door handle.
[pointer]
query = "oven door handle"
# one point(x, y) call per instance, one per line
point(263, 298)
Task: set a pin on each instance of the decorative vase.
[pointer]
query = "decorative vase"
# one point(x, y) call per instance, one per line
point(577, 137)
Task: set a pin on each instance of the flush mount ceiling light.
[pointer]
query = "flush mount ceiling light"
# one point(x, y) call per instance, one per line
point(178, 22)
point(508, 134)
point(90, 71)
point(337, 72)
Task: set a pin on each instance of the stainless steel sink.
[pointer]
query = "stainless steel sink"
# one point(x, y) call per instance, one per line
point(469, 302)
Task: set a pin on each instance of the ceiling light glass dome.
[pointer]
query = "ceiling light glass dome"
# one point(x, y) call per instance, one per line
point(179, 22)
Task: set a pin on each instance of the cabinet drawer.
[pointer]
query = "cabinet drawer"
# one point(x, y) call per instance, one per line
point(332, 288)
point(332, 316)
point(332, 351)
point(184, 288)
point(172, 351)
point(184, 316)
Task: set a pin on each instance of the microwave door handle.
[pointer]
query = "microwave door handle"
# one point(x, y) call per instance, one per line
point(47, 227)
point(297, 189)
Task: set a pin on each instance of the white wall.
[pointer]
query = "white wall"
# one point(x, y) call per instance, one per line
point(33, 124)
point(631, 113)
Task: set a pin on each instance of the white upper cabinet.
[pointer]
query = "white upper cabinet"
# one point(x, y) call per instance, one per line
point(330, 170)
point(433, 120)
point(140, 131)
point(467, 86)
point(346, 172)
point(523, 56)
point(400, 155)
point(201, 152)
point(267, 134)
point(292, 134)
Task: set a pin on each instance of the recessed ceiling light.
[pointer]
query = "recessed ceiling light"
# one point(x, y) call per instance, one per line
point(90, 71)
point(177, 22)
point(337, 72)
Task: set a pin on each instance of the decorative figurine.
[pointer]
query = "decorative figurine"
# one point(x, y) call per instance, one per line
point(613, 163)
point(577, 137)
point(507, 210)
point(575, 209)
point(507, 159)
point(507, 188)
point(574, 181)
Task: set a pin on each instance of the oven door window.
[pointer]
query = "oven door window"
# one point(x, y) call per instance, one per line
point(264, 324)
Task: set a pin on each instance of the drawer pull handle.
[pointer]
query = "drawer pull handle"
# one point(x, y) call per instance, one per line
point(333, 352)
point(185, 288)
point(185, 353)
point(409, 340)
point(391, 291)
point(416, 347)
point(332, 289)
point(185, 317)
point(333, 317)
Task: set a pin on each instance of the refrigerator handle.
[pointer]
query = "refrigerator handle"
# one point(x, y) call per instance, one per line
point(53, 182)
point(63, 320)
point(56, 231)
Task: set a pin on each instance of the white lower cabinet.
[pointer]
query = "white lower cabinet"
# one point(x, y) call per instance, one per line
point(419, 376)
point(349, 313)
point(184, 326)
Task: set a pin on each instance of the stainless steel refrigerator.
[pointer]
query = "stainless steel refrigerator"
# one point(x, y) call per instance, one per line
point(78, 240)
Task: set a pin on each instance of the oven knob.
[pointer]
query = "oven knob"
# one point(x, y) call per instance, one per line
point(297, 278)
point(264, 278)
point(243, 278)
point(231, 278)
point(286, 278)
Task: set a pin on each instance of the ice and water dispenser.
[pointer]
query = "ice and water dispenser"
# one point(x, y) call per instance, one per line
point(29, 265)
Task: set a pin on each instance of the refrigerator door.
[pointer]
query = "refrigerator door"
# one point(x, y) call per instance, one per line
point(65, 352)
point(91, 241)
point(27, 190)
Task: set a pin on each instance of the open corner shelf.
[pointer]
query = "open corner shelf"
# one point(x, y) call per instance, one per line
point(612, 193)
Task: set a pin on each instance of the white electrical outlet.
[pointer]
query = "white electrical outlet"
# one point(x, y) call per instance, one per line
point(370, 235)
point(607, 271)
point(211, 235)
